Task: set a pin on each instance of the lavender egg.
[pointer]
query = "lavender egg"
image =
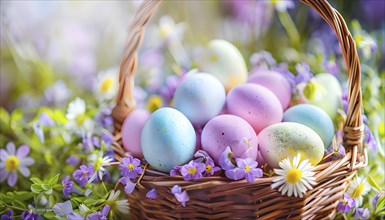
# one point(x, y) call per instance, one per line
point(132, 130)
point(276, 83)
point(256, 104)
point(200, 97)
point(229, 130)
point(168, 139)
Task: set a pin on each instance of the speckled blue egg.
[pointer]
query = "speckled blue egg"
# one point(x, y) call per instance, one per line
point(200, 98)
point(168, 139)
point(313, 117)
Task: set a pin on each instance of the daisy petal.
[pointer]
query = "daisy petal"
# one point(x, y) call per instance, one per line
point(3, 175)
point(12, 179)
point(3, 154)
point(22, 151)
point(11, 148)
point(27, 161)
point(24, 171)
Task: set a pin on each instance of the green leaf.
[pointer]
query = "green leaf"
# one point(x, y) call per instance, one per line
point(19, 204)
point(49, 215)
point(373, 183)
point(93, 202)
point(53, 180)
point(4, 121)
point(48, 192)
point(21, 195)
point(36, 188)
point(45, 186)
point(17, 115)
point(380, 205)
point(36, 180)
point(59, 116)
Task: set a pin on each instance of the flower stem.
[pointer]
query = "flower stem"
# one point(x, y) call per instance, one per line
point(290, 28)
point(104, 187)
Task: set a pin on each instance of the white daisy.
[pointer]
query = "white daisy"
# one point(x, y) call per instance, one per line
point(98, 162)
point(117, 205)
point(357, 189)
point(107, 84)
point(78, 121)
point(294, 178)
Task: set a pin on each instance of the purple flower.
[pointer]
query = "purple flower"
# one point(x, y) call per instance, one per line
point(57, 94)
point(107, 139)
point(247, 168)
point(102, 215)
point(12, 161)
point(67, 186)
point(284, 71)
point(303, 73)
point(83, 174)
point(345, 102)
point(192, 170)
point(262, 60)
point(332, 67)
point(370, 141)
point(152, 194)
point(63, 209)
point(8, 215)
point(104, 118)
point(225, 160)
point(73, 160)
point(129, 186)
point(29, 215)
point(362, 213)
point(175, 171)
point(210, 167)
point(376, 198)
point(346, 204)
point(336, 153)
point(130, 167)
point(180, 196)
point(201, 155)
point(45, 120)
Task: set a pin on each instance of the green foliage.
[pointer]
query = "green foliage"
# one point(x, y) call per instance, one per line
point(46, 187)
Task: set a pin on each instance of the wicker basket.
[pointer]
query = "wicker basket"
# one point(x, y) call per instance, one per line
point(218, 197)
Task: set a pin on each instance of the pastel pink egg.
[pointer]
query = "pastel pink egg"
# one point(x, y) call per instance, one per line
point(255, 104)
point(276, 83)
point(229, 130)
point(131, 131)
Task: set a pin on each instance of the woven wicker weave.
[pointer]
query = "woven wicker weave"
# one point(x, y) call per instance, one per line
point(217, 197)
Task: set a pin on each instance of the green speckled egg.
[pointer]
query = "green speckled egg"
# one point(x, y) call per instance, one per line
point(287, 139)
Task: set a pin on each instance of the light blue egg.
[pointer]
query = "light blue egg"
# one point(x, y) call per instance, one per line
point(200, 98)
point(168, 139)
point(313, 117)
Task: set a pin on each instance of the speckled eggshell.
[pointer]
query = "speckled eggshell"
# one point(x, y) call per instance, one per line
point(313, 117)
point(276, 83)
point(200, 97)
point(132, 130)
point(256, 104)
point(287, 139)
point(229, 130)
point(329, 99)
point(225, 62)
point(168, 139)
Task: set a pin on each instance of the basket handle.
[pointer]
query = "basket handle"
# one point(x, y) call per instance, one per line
point(353, 129)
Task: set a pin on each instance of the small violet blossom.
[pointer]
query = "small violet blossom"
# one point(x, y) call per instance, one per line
point(192, 170)
point(152, 194)
point(180, 196)
point(247, 168)
point(83, 175)
point(376, 198)
point(346, 204)
point(8, 215)
point(201, 155)
point(303, 73)
point(102, 215)
point(225, 160)
point(67, 186)
point(63, 208)
point(175, 171)
point(130, 167)
point(128, 185)
point(210, 167)
point(73, 160)
point(12, 160)
point(370, 140)
point(362, 213)
point(29, 215)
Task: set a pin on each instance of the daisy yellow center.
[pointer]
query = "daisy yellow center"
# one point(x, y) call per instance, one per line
point(209, 168)
point(98, 164)
point(358, 191)
point(131, 166)
point(80, 119)
point(154, 103)
point(345, 202)
point(192, 170)
point(213, 58)
point(247, 169)
point(165, 31)
point(106, 85)
point(12, 163)
point(293, 176)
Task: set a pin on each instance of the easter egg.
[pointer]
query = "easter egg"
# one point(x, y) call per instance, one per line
point(229, 130)
point(313, 117)
point(200, 97)
point(287, 139)
point(225, 62)
point(168, 139)
point(256, 104)
point(276, 83)
point(131, 131)
point(326, 93)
